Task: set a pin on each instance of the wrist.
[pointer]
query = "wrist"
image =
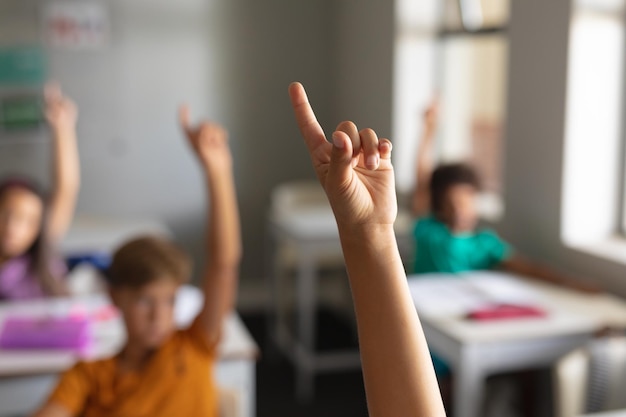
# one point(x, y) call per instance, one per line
point(370, 253)
point(61, 132)
point(218, 176)
point(371, 235)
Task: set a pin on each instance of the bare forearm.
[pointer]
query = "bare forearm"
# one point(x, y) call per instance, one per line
point(223, 228)
point(425, 160)
point(394, 354)
point(424, 169)
point(223, 248)
point(66, 174)
point(524, 267)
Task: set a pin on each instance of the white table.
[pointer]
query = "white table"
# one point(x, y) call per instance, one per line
point(103, 234)
point(312, 233)
point(26, 377)
point(475, 350)
point(91, 234)
point(619, 413)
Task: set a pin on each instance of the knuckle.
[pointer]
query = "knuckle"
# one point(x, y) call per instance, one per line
point(347, 126)
point(368, 132)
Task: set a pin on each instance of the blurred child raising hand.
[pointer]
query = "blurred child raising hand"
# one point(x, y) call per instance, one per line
point(31, 223)
point(163, 371)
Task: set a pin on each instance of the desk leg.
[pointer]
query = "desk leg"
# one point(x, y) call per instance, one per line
point(469, 384)
point(306, 325)
point(274, 280)
point(21, 396)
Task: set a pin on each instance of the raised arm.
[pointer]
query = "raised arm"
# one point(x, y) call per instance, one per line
point(425, 161)
point(223, 237)
point(358, 178)
point(61, 114)
point(521, 265)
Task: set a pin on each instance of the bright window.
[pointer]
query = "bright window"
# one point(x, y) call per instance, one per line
point(593, 209)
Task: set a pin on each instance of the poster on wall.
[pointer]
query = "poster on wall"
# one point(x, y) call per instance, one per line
point(21, 112)
point(76, 24)
point(23, 71)
point(22, 66)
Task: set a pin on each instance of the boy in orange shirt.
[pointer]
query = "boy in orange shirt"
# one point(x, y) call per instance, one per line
point(162, 371)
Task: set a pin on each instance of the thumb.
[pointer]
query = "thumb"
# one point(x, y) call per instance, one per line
point(341, 166)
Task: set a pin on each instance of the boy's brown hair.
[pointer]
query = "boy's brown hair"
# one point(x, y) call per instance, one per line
point(147, 259)
point(449, 175)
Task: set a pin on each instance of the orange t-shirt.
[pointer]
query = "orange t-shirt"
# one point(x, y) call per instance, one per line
point(177, 381)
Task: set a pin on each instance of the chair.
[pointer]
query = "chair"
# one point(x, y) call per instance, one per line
point(304, 199)
point(297, 200)
point(303, 238)
point(294, 205)
point(591, 379)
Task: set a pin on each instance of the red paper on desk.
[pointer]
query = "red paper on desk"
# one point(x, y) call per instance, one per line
point(505, 311)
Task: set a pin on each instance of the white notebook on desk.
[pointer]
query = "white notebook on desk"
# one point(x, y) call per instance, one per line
point(454, 295)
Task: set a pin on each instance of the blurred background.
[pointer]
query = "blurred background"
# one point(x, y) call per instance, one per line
point(531, 93)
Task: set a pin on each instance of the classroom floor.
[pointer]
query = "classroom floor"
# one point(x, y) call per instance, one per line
point(337, 394)
point(342, 394)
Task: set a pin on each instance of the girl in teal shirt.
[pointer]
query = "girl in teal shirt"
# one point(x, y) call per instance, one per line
point(447, 236)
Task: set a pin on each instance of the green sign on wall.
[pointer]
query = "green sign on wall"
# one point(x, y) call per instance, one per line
point(22, 66)
point(20, 112)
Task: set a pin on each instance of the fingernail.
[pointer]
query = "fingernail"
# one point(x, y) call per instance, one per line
point(337, 141)
point(372, 161)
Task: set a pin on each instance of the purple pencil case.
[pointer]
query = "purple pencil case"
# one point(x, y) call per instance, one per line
point(69, 333)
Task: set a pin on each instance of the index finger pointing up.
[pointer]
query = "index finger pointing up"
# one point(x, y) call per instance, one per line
point(307, 122)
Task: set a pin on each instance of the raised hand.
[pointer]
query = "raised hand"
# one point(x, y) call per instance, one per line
point(62, 114)
point(431, 118)
point(60, 111)
point(355, 170)
point(208, 140)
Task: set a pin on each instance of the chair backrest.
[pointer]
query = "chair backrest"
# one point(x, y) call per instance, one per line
point(592, 379)
point(607, 374)
point(296, 195)
point(571, 375)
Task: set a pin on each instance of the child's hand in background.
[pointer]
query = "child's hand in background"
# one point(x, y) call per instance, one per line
point(209, 141)
point(431, 118)
point(61, 112)
point(355, 170)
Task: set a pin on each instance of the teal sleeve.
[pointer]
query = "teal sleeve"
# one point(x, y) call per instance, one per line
point(500, 250)
point(434, 249)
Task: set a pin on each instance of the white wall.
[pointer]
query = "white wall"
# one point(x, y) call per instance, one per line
point(231, 60)
point(362, 65)
point(263, 47)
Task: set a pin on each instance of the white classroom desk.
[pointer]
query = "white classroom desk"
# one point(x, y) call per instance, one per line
point(103, 234)
point(26, 377)
point(617, 413)
point(475, 350)
point(313, 234)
